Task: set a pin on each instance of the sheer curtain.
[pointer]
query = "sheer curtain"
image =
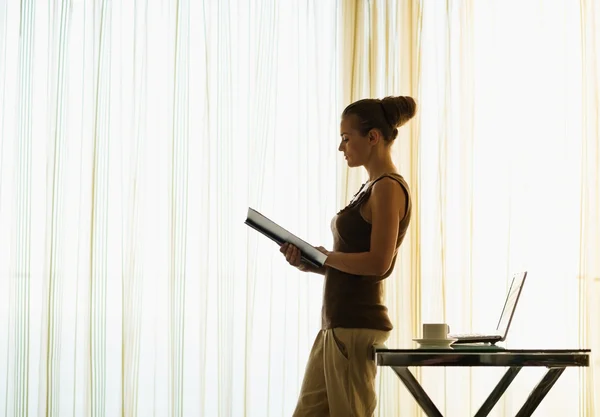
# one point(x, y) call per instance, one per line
point(503, 160)
point(501, 179)
point(133, 137)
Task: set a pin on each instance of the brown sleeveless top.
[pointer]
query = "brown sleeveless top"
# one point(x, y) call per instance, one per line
point(354, 301)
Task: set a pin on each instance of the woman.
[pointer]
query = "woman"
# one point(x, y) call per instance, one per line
point(340, 375)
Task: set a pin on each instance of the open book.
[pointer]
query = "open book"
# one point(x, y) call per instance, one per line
point(272, 230)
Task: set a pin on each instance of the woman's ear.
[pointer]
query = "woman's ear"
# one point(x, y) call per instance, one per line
point(374, 136)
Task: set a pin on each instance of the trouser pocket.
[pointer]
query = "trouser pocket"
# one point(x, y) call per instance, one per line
point(340, 344)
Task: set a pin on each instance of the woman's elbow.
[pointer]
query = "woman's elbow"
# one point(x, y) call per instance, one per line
point(381, 266)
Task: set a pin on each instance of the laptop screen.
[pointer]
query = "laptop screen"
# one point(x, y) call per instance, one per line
point(511, 303)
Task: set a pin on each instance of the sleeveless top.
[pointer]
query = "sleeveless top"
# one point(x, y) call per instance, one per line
point(354, 301)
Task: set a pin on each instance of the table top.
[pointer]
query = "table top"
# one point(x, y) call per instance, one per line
point(464, 355)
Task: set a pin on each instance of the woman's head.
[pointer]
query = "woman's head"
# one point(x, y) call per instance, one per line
point(370, 123)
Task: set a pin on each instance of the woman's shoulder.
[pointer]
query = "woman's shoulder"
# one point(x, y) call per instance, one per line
point(390, 178)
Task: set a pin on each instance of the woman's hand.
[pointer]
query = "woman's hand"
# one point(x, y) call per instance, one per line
point(322, 250)
point(292, 255)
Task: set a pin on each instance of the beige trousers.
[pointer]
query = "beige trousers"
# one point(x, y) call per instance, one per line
point(339, 380)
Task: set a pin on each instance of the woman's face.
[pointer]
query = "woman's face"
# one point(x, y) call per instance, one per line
point(355, 147)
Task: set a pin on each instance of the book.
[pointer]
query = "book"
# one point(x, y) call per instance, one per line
point(279, 235)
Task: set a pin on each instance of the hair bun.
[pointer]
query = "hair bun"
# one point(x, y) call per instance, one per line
point(386, 114)
point(398, 110)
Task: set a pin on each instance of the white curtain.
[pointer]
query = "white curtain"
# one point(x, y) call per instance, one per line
point(133, 137)
point(509, 181)
point(507, 178)
point(502, 186)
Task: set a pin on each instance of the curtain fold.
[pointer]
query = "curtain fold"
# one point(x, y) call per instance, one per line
point(589, 246)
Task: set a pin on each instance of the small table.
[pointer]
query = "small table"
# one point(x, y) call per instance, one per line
point(462, 355)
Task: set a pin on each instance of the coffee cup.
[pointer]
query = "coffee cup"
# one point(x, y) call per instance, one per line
point(435, 331)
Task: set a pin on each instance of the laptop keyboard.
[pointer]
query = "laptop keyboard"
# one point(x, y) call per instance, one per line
point(469, 335)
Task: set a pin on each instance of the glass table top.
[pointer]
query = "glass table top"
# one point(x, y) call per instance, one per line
point(464, 355)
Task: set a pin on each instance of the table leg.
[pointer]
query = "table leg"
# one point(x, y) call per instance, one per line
point(540, 391)
point(417, 391)
point(493, 398)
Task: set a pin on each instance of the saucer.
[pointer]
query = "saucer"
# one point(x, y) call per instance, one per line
point(435, 343)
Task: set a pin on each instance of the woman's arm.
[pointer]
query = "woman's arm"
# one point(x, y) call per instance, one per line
point(310, 268)
point(388, 206)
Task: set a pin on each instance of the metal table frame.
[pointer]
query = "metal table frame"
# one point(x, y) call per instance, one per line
point(555, 360)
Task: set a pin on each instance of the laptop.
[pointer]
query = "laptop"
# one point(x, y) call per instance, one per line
point(508, 311)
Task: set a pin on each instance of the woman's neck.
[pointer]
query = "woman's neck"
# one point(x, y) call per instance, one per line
point(379, 167)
